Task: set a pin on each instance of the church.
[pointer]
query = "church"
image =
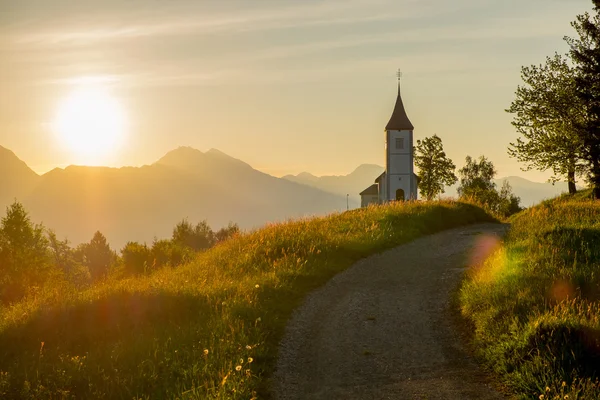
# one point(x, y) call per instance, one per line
point(398, 182)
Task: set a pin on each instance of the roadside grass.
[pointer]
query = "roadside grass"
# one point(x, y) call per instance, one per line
point(209, 329)
point(535, 304)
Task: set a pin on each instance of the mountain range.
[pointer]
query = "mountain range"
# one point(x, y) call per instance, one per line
point(141, 203)
point(530, 192)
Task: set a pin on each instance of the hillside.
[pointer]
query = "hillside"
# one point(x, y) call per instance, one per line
point(208, 329)
point(139, 204)
point(16, 178)
point(535, 305)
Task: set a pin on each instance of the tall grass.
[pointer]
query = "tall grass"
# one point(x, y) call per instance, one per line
point(535, 304)
point(209, 329)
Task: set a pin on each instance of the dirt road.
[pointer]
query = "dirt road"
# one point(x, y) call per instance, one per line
point(383, 329)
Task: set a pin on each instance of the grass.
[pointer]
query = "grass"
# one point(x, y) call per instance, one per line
point(535, 304)
point(209, 329)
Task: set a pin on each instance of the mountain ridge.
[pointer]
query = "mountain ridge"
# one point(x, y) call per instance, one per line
point(141, 203)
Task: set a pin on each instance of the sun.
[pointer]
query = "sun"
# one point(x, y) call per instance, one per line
point(90, 122)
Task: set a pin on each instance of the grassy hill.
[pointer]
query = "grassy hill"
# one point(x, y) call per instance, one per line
point(535, 305)
point(209, 329)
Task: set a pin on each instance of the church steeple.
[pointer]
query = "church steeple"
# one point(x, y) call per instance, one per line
point(399, 120)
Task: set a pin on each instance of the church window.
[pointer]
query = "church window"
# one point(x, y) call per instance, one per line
point(400, 143)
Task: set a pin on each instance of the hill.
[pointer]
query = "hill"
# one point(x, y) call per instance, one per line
point(139, 204)
point(16, 178)
point(534, 306)
point(208, 329)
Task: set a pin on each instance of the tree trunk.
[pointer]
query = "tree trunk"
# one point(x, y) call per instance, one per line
point(571, 181)
point(596, 178)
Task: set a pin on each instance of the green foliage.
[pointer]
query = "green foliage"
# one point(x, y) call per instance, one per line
point(137, 258)
point(585, 54)
point(477, 185)
point(24, 256)
point(207, 329)
point(227, 232)
point(435, 168)
point(535, 304)
point(97, 256)
point(547, 113)
point(64, 258)
point(199, 237)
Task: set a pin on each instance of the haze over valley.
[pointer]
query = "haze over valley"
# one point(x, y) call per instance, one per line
point(141, 203)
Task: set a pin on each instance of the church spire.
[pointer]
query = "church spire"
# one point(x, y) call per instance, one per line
point(399, 120)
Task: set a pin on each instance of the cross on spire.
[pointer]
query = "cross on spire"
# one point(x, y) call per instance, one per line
point(399, 75)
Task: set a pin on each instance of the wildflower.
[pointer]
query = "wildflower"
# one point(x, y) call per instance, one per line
point(564, 384)
point(547, 389)
point(250, 359)
point(542, 397)
point(258, 319)
point(241, 360)
point(257, 286)
point(205, 352)
point(238, 368)
point(248, 347)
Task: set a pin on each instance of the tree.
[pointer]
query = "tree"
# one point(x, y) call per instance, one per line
point(476, 180)
point(477, 184)
point(24, 255)
point(136, 258)
point(508, 203)
point(199, 237)
point(585, 53)
point(97, 256)
point(65, 260)
point(547, 113)
point(227, 232)
point(435, 169)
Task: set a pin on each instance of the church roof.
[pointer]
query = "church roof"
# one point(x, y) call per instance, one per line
point(371, 190)
point(399, 120)
point(380, 178)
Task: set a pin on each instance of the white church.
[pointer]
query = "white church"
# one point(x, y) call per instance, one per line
point(398, 182)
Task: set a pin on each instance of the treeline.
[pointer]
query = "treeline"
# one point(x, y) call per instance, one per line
point(31, 255)
point(557, 110)
point(477, 185)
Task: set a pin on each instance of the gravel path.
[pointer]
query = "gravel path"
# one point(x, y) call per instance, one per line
point(382, 329)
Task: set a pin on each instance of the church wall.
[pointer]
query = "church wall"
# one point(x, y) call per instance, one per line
point(399, 164)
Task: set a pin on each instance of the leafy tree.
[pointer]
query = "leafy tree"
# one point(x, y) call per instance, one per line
point(477, 184)
point(435, 169)
point(227, 232)
point(136, 258)
point(547, 113)
point(24, 255)
point(166, 252)
point(585, 53)
point(64, 258)
point(508, 203)
point(199, 237)
point(97, 256)
point(477, 179)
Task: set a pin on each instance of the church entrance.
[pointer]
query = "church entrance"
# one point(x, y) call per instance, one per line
point(400, 195)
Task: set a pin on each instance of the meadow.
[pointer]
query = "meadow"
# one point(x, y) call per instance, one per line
point(207, 329)
point(535, 304)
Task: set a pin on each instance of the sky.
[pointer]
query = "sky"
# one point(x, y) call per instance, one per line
point(286, 86)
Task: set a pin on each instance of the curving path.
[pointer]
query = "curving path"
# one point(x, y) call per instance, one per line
point(382, 329)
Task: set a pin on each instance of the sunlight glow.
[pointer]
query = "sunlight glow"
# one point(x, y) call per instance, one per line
point(90, 122)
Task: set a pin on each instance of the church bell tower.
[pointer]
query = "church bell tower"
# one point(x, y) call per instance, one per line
point(400, 180)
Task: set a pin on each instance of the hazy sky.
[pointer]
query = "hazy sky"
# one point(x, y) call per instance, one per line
point(287, 86)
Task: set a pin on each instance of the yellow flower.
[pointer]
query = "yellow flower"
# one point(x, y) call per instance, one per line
point(541, 397)
point(257, 286)
point(248, 347)
point(250, 359)
point(238, 368)
point(205, 352)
